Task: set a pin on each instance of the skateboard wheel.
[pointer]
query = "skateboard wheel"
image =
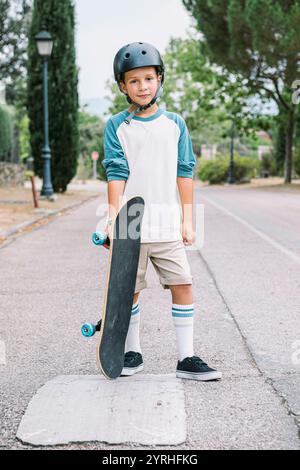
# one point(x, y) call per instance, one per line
point(99, 238)
point(88, 330)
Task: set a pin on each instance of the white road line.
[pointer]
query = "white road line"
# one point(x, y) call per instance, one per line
point(261, 234)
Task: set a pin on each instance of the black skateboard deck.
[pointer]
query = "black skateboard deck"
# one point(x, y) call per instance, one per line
point(123, 262)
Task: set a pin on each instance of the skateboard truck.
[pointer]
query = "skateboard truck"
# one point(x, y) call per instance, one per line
point(88, 329)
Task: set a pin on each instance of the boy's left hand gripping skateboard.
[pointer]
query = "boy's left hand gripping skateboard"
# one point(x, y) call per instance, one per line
point(123, 262)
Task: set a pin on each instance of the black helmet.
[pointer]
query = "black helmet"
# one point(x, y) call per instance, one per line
point(135, 55)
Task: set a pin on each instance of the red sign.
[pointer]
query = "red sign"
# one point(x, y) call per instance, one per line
point(95, 156)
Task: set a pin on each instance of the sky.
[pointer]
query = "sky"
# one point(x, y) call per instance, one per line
point(103, 27)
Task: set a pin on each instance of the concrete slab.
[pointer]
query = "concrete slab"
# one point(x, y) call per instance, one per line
point(146, 409)
point(289, 385)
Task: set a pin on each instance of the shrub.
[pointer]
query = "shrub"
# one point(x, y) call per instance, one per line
point(213, 171)
point(269, 164)
point(216, 171)
point(246, 168)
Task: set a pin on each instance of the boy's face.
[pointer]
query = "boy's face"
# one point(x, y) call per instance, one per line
point(141, 84)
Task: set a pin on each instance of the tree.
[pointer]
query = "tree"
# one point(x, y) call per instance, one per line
point(208, 96)
point(57, 16)
point(280, 142)
point(118, 101)
point(191, 90)
point(91, 132)
point(14, 21)
point(14, 17)
point(258, 39)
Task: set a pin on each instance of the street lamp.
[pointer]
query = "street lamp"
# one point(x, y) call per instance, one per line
point(45, 45)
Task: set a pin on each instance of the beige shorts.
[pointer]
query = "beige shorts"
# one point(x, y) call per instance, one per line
point(170, 262)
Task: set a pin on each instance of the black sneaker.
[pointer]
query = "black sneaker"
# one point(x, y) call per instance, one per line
point(195, 369)
point(133, 363)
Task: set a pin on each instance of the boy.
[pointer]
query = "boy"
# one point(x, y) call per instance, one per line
point(147, 152)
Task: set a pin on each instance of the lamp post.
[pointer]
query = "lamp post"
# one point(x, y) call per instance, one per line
point(231, 177)
point(45, 44)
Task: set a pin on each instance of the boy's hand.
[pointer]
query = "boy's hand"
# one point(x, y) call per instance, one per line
point(188, 234)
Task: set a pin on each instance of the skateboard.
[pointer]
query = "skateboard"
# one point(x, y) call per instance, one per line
point(124, 252)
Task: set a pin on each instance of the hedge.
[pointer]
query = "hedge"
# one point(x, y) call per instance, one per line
point(216, 171)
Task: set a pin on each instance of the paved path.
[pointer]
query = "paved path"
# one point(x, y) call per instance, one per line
point(246, 294)
point(255, 259)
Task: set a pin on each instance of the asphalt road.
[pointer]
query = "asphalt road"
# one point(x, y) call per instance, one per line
point(246, 294)
point(275, 212)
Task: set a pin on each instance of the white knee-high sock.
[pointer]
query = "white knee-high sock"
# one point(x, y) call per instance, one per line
point(183, 319)
point(133, 335)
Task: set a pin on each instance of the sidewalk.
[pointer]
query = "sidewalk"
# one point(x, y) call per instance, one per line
point(17, 212)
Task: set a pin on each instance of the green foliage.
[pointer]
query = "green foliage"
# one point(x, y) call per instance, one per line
point(216, 171)
point(13, 39)
point(268, 164)
point(280, 143)
point(246, 168)
point(6, 138)
point(117, 99)
point(259, 40)
point(57, 16)
point(192, 89)
point(14, 18)
point(256, 35)
point(91, 133)
point(213, 171)
point(208, 96)
point(297, 161)
point(297, 143)
point(24, 137)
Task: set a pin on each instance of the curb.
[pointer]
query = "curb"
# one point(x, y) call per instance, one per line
point(51, 214)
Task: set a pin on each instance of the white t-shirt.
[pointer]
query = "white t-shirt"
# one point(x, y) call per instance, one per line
point(149, 154)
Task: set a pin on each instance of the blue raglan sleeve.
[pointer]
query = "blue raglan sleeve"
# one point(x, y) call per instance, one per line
point(115, 162)
point(186, 157)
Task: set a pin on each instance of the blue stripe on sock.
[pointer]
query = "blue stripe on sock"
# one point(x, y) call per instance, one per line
point(182, 315)
point(182, 309)
point(182, 312)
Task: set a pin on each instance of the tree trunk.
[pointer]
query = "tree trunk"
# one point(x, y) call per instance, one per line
point(289, 146)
